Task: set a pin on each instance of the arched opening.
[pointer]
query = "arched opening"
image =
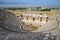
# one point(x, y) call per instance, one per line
point(33, 19)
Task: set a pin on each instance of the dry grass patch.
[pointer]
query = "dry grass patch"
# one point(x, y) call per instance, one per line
point(30, 27)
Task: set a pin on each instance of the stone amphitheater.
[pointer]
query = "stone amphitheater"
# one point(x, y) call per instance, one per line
point(10, 29)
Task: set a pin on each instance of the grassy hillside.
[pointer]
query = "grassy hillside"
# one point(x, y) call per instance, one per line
point(49, 13)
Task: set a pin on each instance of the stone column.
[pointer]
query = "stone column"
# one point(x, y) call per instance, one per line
point(47, 19)
point(41, 18)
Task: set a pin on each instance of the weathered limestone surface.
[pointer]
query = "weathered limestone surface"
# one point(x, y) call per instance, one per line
point(9, 21)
